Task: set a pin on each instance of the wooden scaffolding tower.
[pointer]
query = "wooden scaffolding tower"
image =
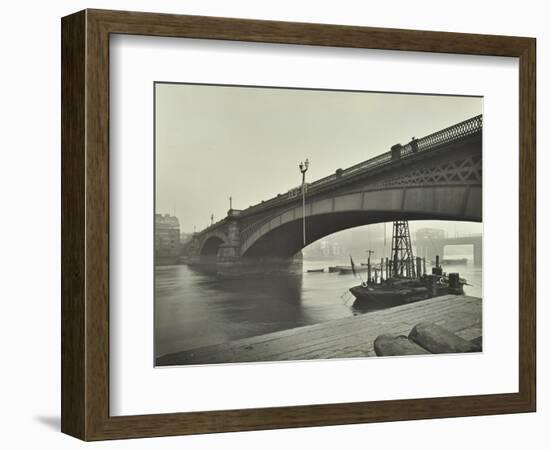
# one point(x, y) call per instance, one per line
point(403, 263)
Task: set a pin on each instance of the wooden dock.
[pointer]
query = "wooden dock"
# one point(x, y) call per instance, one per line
point(342, 338)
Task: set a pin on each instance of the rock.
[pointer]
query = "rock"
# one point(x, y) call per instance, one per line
point(396, 345)
point(437, 339)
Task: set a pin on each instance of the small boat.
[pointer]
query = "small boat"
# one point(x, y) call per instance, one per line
point(315, 270)
point(346, 270)
point(334, 269)
point(455, 261)
point(452, 261)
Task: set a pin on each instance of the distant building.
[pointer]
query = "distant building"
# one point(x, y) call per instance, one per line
point(430, 234)
point(324, 248)
point(428, 243)
point(167, 239)
point(337, 249)
point(185, 237)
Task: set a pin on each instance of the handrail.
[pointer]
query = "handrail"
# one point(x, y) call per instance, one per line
point(452, 133)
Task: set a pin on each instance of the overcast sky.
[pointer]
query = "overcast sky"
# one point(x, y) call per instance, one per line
point(213, 142)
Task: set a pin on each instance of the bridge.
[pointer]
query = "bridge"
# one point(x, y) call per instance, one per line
point(430, 246)
point(436, 177)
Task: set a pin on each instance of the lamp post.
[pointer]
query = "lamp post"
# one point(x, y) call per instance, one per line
point(303, 169)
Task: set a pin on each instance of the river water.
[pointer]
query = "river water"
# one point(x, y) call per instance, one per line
point(194, 308)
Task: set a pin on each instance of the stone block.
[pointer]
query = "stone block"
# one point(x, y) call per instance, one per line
point(396, 345)
point(437, 339)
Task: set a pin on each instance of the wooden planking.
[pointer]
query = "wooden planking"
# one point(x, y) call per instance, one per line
point(341, 338)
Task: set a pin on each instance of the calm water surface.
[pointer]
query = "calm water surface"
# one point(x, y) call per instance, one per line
point(194, 309)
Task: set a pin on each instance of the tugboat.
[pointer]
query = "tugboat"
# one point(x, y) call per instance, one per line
point(406, 278)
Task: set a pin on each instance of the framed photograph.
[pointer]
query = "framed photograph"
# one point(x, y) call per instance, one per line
point(272, 224)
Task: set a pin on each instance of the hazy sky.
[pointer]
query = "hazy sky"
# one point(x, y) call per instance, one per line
point(213, 142)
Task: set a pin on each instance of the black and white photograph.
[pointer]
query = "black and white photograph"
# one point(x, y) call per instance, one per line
point(299, 224)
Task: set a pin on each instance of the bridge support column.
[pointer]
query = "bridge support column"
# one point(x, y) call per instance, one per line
point(227, 252)
point(190, 252)
point(230, 251)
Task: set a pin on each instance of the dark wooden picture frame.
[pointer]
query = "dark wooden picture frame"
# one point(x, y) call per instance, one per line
point(85, 224)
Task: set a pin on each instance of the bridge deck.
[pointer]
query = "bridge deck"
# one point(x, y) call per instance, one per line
point(341, 338)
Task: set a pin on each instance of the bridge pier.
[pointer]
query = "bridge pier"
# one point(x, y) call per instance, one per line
point(227, 252)
point(219, 244)
point(230, 250)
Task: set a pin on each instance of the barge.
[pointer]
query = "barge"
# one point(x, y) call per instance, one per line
point(398, 291)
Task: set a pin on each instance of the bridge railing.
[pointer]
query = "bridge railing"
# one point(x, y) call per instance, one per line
point(450, 134)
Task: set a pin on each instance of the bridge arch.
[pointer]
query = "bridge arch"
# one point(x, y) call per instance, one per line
point(281, 234)
point(211, 244)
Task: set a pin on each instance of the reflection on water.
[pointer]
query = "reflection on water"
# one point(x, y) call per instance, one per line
point(195, 308)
